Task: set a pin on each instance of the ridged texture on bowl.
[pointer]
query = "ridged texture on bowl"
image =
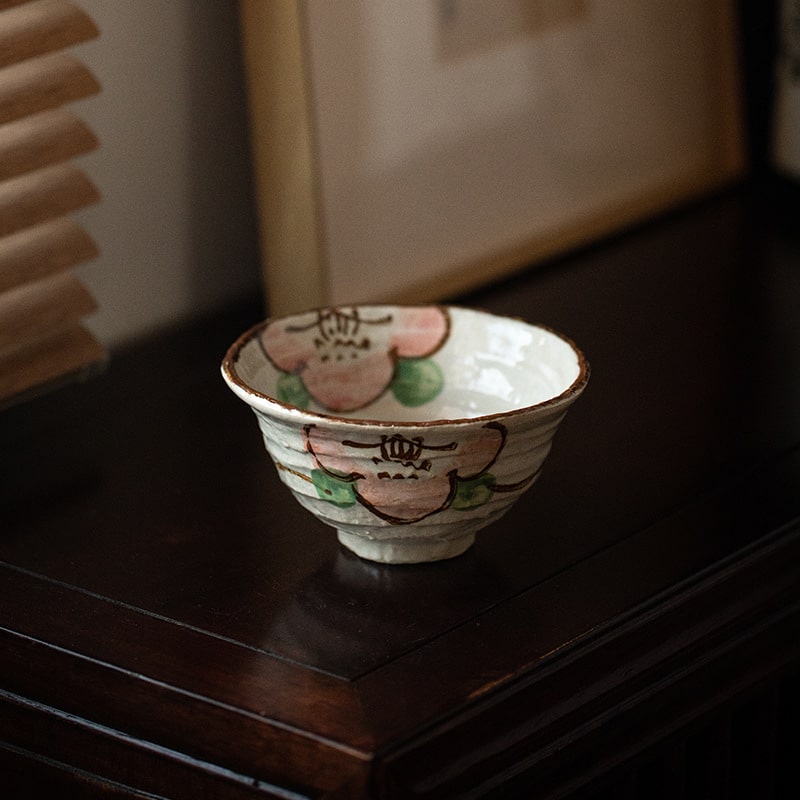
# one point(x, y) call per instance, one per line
point(406, 429)
point(423, 518)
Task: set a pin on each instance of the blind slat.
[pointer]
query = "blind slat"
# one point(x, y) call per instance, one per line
point(43, 195)
point(50, 137)
point(43, 26)
point(48, 361)
point(43, 83)
point(42, 303)
point(42, 250)
point(29, 312)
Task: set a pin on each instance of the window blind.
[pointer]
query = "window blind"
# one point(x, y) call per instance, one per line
point(43, 340)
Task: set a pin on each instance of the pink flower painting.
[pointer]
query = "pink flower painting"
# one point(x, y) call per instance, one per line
point(345, 358)
point(403, 479)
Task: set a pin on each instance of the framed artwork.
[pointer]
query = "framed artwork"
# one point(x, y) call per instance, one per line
point(411, 151)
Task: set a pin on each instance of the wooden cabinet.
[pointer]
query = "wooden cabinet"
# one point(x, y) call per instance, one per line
point(174, 625)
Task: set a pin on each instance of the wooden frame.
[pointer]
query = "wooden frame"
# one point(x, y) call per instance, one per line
point(412, 151)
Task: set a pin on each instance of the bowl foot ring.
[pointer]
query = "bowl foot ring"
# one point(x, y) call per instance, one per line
point(406, 550)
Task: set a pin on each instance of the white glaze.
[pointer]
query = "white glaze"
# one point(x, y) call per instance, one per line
point(407, 483)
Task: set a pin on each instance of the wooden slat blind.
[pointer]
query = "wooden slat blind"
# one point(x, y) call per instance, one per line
point(42, 304)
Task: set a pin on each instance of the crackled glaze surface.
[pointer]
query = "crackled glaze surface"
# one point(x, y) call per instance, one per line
point(406, 428)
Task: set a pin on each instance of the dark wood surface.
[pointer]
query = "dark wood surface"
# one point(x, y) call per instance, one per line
point(173, 623)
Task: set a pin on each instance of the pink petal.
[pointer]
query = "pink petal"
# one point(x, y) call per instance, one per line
point(288, 350)
point(419, 331)
point(404, 500)
point(478, 451)
point(403, 492)
point(349, 386)
point(330, 454)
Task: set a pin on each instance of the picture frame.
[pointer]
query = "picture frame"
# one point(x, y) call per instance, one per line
point(412, 151)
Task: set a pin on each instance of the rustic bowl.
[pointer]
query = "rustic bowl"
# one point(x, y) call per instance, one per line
point(406, 428)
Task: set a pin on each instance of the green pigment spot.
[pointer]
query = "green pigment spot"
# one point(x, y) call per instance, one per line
point(338, 492)
point(416, 381)
point(473, 493)
point(292, 391)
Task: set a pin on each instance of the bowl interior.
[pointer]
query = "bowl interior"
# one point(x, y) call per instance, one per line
point(402, 363)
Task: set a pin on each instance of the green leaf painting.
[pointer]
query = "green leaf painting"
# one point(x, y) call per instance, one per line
point(292, 391)
point(473, 493)
point(416, 381)
point(339, 492)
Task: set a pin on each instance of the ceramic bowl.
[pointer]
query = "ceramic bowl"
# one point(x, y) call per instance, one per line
point(406, 428)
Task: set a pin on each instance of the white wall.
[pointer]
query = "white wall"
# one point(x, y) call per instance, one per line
point(176, 226)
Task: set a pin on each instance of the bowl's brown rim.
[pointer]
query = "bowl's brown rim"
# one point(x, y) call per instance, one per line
point(232, 356)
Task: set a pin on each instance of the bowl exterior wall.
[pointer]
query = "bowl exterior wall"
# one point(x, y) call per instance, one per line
point(424, 492)
point(407, 429)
